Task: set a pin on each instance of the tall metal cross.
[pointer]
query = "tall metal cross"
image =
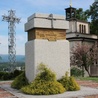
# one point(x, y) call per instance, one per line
point(11, 19)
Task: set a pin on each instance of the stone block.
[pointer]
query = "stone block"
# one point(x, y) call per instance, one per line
point(46, 21)
point(55, 54)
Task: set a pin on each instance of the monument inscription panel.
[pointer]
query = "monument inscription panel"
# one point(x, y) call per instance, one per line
point(51, 35)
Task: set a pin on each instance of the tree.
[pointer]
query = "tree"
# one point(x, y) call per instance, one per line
point(93, 13)
point(82, 15)
point(82, 56)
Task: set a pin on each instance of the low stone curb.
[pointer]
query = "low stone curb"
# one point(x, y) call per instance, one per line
point(85, 91)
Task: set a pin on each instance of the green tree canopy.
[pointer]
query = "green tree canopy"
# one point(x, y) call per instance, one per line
point(93, 13)
point(82, 15)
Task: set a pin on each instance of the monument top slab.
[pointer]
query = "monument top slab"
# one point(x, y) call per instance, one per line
point(46, 16)
point(49, 21)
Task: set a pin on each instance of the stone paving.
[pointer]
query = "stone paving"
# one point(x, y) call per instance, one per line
point(4, 93)
point(89, 84)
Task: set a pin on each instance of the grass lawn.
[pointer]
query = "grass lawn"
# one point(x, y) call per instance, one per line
point(94, 79)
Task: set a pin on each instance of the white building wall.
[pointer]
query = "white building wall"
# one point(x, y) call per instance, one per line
point(84, 24)
point(72, 27)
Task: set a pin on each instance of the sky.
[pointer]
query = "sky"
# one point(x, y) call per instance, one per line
point(24, 9)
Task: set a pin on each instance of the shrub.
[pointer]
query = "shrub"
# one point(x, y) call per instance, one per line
point(17, 73)
point(44, 84)
point(43, 87)
point(76, 72)
point(9, 75)
point(19, 81)
point(65, 81)
point(45, 73)
point(73, 86)
point(1, 74)
point(69, 83)
point(6, 76)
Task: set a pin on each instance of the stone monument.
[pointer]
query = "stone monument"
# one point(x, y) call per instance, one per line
point(47, 44)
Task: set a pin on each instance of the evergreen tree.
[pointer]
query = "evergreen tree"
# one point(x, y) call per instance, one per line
point(82, 15)
point(93, 13)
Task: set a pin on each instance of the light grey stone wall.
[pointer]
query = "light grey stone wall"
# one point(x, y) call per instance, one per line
point(55, 54)
point(72, 27)
point(46, 21)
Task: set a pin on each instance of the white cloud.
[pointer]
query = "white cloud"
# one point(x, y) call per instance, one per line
point(4, 40)
point(2, 12)
point(20, 49)
point(20, 44)
point(21, 38)
point(3, 45)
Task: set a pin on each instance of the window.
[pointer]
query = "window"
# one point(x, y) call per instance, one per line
point(82, 28)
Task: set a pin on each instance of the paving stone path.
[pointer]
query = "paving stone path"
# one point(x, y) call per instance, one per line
point(89, 84)
point(7, 94)
point(4, 93)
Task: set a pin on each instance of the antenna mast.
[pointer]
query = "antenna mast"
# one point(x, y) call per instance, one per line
point(11, 19)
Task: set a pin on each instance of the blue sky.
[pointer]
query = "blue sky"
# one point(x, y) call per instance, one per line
point(25, 8)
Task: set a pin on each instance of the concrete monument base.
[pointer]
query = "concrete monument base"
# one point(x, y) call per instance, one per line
point(55, 54)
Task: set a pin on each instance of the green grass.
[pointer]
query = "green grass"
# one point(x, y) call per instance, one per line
point(94, 79)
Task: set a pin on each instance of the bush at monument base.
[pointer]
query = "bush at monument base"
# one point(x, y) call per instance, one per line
point(73, 86)
point(19, 81)
point(45, 73)
point(69, 83)
point(42, 87)
point(45, 83)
